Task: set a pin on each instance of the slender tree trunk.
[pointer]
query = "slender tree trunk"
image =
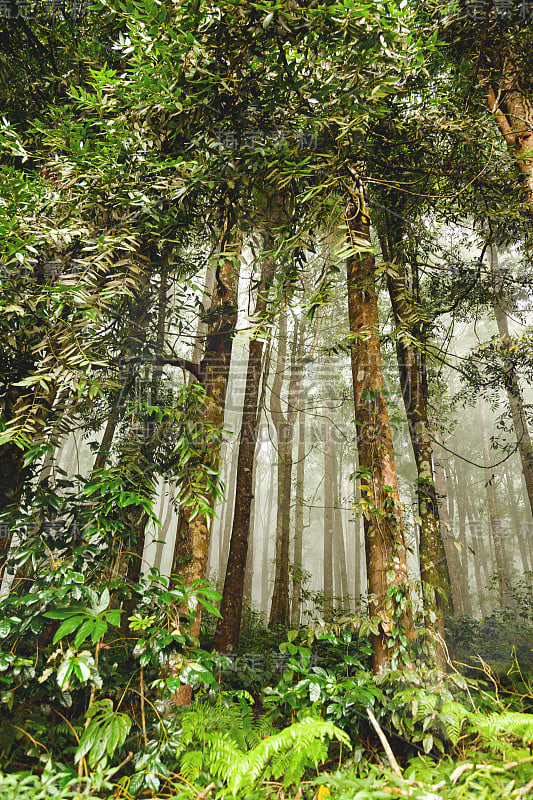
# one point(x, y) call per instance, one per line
point(228, 627)
point(434, 573)
point(481, 556)
point(512, 386)
point(229, 504)
point(191, 549)
point(284, 424)
point(265, 566)
point(192, 543)
point(518, 531)
point(339, 547)
point(138, 527)
point(447, 535)
point(298, 524)
point(359, 555)
point(459, 486)
point(249, 571)
point(384, 538)
point(162, 536)
point(508, 100)
point(494, 516)
point(328, 512)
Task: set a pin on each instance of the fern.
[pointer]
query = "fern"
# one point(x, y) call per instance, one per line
point(223, 755)
point(451, 717)
point(297, 737)
point(232, 746)
point(426, 705)
point(191, 764)
point(292, 764)
point(511, 724)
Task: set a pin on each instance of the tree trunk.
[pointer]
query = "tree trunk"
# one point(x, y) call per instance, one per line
point(284, 424)
point(228, 627)
point(434, 573)
point(494, 517)
point(447, 535)
point(191, 549)
point(359, 556)
point(229, 504)
point(482, 567)
point(298, 524)
point(512, 386)
point(339, 547)
point(265, 566)
point(139, 519)
point(459, 486)
point(518, 530)
point(384, 538)
point(509, 102)
point(162, 535)
point(328, 513)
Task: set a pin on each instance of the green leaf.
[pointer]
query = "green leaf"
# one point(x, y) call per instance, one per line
point(82, 671)
point(83, 633)
point(68, 626)
point(113, 617)
point(99, 630)
point(60, 613)
point(64, 672)
point(103, 602)
point(210, 607)
point(314, 692)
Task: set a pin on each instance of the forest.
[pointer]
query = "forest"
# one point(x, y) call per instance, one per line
point(266, 391)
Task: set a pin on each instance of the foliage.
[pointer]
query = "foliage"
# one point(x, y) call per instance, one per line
point(425, 780)
point(223, 742)
point(51, 784)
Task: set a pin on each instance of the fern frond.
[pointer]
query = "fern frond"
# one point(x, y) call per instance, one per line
point(451, 718)
point(300, 734)
point(224, 755)
point(511, 724)
point(191, 764)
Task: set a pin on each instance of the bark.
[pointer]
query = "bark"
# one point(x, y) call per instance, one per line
point(359, 556)
point(328, 513)
point(447, 534)
point(459, 484)
point(229, 498)
point(284, 424)
point(339, 547)
point(502, 567)
point(249, 570)
point(298, 524)
point(228, 627)
point(517, 528)
point(434, 573)
point(265, 566)
point(191, 548)
point(512, 386)
point(384, 538)
point(508, 100)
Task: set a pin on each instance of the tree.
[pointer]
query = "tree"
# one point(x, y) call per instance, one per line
point(384, 540)
point(228, 628)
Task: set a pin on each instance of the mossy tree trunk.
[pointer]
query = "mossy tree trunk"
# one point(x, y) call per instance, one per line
point(384, 539)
